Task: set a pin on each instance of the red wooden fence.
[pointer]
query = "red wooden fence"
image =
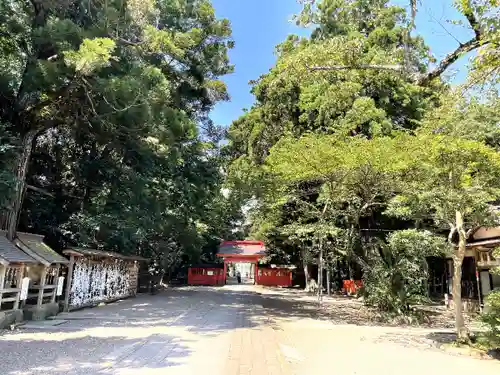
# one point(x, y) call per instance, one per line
point(206, 276)
point(274, 277)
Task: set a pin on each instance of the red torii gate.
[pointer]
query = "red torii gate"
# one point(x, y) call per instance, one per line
point(251, 252)
point(242, 251)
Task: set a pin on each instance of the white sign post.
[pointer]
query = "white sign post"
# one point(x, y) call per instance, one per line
point(60, 283)
point(24, 289)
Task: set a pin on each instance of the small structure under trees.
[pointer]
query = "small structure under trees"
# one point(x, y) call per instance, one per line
point(482, 242)
point(251, 252)
point(13, 265)
point(44, 276)
point(96, 276)
point(242, 252)
point(478, 279)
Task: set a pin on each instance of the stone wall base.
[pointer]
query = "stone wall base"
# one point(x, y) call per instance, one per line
point(10, 317)
point(33, 312)
point(100, 303)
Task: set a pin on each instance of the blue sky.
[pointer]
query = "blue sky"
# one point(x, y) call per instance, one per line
point(259, 25)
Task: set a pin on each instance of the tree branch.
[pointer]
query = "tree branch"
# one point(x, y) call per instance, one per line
point(368, 205)
point(49, 194)
point(450, 59)
point(444, 64)
point(39, 190)
point(422, 79)
point(130, 43)
point(474, 24)
point(470, 232)
point(397, 68)
point(360, 260)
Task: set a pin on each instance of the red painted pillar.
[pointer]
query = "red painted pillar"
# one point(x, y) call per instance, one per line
point(225, 272)
point(256, 280)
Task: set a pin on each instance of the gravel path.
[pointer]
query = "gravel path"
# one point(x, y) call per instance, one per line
point(225, 331)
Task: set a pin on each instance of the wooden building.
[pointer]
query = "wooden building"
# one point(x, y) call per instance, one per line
point(96, 276)
point(14, 264)
point(478, 280)
point(481, 244)
point(44, 276)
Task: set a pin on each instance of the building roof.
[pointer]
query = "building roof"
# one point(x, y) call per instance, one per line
point(207, 265)
point(242, 248)
point(82, 251)
point(33, 245)
point(489, 243)
point(10, 253)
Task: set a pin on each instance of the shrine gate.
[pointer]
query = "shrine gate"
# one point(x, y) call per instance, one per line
point(239, 253)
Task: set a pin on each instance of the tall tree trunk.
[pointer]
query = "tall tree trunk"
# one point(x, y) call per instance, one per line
point(458, 257)
point(328, 291)
point(307, 277)
point(20, 171)
point(320, 272)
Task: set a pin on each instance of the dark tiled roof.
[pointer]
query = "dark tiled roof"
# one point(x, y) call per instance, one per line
point(11, 253)
point(242, 248)
point(81, 251)
point(35, 243)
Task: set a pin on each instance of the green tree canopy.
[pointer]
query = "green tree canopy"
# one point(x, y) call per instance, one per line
point(110, 96)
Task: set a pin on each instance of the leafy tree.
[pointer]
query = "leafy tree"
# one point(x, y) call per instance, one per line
point(104, 102)
point(111, 75)
point(320, 240)
point(223, 220)
point(337, 16)
point(364, 74)
point(473, 117)
point(292, 100)
point(484, 16)
point(355, 177)
point(453, 181)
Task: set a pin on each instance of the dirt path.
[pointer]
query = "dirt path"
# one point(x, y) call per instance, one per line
point(234, 330)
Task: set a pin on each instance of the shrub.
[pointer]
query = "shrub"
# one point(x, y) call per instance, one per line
point(491, 316)
point(398, 275)
point(492, 319)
